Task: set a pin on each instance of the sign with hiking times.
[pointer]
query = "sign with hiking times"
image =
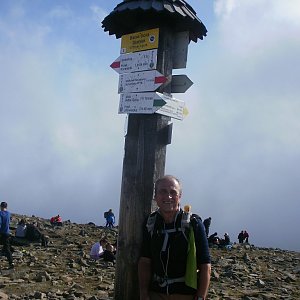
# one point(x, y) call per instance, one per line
point(135, 62)
point(147, 81)
point(140, 103)
point(174, 108)
point(139, 41)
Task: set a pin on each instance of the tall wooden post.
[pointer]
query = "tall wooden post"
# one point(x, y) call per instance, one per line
point(144, 162)
point(146, 140)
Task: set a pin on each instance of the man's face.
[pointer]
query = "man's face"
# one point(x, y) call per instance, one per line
point(168, 195)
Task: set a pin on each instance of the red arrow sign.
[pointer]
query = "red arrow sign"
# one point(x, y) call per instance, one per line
point(147, 81)
point(135, 62)
point(116, 64)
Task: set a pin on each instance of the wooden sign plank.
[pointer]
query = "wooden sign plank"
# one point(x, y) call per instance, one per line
point(139, 41)
point(180, 83)
point(135, 62)
point(147, 81)
point(174, 108)
point(140, 103)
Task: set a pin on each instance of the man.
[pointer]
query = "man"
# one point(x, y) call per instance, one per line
point(98, 248)
point(110, 219)
point(246, 236)
point(241, 237)
point(163, 261)
point(4, 232)
point(206, 224)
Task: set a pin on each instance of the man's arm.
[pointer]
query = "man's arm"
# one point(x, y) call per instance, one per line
point(203, 260)
point(144, 274)
point(204, 280)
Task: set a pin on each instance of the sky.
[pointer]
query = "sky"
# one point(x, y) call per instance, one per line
point(62, 139)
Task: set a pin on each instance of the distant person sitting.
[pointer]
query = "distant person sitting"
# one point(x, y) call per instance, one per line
point(56, 221)
point(241, 237)
point(212, 238)
point(21, 229)
point(110, 218)
point(98, 249)
point(226, 238)
point(226, 241)
point(246, 236)
point(206, 224)
point(34, 234)
point(108, 254)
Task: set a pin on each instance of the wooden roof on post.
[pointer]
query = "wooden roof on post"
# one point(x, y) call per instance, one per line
point(178, 14)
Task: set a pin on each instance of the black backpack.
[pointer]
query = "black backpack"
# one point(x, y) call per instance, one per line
point(32, 233)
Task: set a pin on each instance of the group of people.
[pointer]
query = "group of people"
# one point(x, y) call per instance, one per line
point(26, 233)
point(174, 261)
point(56, 220)
point(243, 237)
point(214, 240)
point(103, 249)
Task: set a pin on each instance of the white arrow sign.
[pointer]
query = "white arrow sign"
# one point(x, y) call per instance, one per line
point(136, 62)
point(174, 108)
point(140, 103)
point(147, 81)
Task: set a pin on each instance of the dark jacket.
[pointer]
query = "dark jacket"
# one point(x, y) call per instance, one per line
point(171, 262)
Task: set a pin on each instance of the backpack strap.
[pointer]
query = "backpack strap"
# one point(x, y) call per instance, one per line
point(185, 223)
point(151, 222)
point(187, 219)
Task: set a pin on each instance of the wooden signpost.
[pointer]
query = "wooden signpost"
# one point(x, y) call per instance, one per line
point(144, 72)
point(154, 40)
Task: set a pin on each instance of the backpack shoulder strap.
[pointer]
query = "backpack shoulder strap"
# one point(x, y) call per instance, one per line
point(151, 222)
point(195, 219)
point(185, 223)
point(185, 220)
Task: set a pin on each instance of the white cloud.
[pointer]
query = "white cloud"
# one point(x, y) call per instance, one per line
point(60, 12)
point(235, 152)
point(98, 13)
point(224, 8)
point(247, 25)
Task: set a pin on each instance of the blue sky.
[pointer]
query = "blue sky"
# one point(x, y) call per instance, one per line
point(62, 139)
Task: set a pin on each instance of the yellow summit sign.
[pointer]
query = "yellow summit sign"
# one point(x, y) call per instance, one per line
point(139, 41)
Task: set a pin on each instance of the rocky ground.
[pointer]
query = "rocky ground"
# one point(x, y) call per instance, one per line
point(64, 269)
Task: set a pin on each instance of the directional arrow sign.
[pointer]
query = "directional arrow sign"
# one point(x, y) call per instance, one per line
point(174, 108)
point(147, 81)
point(137, 61)
point(180, 84)
point(140, 103)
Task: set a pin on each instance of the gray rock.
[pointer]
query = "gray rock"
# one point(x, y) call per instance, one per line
point(64, 270)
